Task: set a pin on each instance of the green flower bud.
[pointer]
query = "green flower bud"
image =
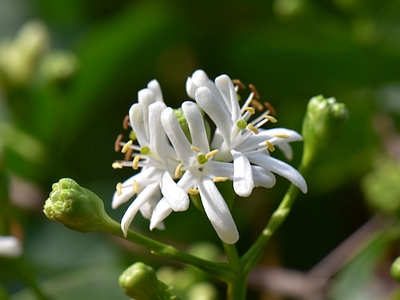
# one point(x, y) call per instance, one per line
point(140, 282)
point(322, 123)
point(59, 65)
point(74, 206)
point(395, 269)
point(202, 291)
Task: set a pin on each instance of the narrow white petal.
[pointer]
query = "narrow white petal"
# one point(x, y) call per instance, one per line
point(135, 205)
point(279, 167)
point(176, 197)
point(158, 138)
point(196, 126)
point(137, 123)
point(218, 212)
point(147, 208)
point(187, 181)
point(127, 194)
point(286, 150)
point(215, 168)
point(176, 135)
point(161, 211)
point(227, 90)
point(154, 86)
point(263, 177)
point(146, 98)
point(243, 182)
point(10, 246)
point(215, 109)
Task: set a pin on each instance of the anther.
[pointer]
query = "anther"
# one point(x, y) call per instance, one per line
point(257, 105)
point(126, 146)
point(270, 108)
point(238, 83)
point(117, 145)
point(252, 128)
point(254, 90)
point(178, 170)
point(270, 146)
point(270, 118)
point(119, 188)
point(128, 154)
point(135, 186)
point(125, 123)
point(282, 136)
point(194, 148)
point(211, 153)
point(117, 165)
point(250, 110)
point(135, 162)
point(220, 179)
point(193, 191)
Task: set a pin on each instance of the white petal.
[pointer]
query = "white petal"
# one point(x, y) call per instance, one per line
point(10, 246)
point(147, 208)
point(215, 109)
point(196, 126)
point(161, 211)
point(145, 98)
point(154, 86)
point(286, 150)
point(176, 197)
point(214, 168)
point(135, 205)
point(227, 90)
point(176, 135)
point(158, 138)
point(263, 177)
point(218, 212)
point(137, 123)
point(243, 182)
point(187, 181)
point(279, 167)
point(198, 79)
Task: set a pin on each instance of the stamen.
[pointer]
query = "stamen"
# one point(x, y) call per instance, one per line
point(125, 123)
point(254, 90)
point(270, 146)
point(119, 188)
point(128, 154)
point(194, 148)
point(211, 153)
point(250, 110)
point(193, 191)
point(257, 105)
point(252, 128)
point(178, 170)
point(220, 179)
point(135, 186)
point(238, 83)
point(270, 108)
point(117, 144)
point(282, 136)
point(126, 146)
point(135, 162)
point(270, 118)
point(117, 165)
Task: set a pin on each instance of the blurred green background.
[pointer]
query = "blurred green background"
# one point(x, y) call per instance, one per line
point(290, 50)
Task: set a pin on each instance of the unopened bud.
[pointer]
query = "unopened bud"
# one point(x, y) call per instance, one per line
point(395, 269)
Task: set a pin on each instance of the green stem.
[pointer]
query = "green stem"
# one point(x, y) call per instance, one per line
point(222, 271)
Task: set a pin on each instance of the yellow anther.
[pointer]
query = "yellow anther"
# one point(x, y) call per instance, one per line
point(135, 186)
point(135, 162)
point(211, 153)
point(250, 110)
point(126, 146)
point(271, 118)
point(117, 165)
point(178, 170)
point(252, 128)
point(194, 148)
point(119, 188)
point(270, 146)
point(220, 179)
point(282, 136)
point(193, 192)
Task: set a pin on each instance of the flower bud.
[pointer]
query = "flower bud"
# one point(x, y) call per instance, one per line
point(10, 246)
point(322, 123)
point(140, 282)
point(59, 65)
point(74, 206)
point(395, 269)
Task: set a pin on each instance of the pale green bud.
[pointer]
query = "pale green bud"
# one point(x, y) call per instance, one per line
point(59, 65)
point(395, 269)
point(322, 123)
point(74, 206)
point(140, 282)
point(202, 291)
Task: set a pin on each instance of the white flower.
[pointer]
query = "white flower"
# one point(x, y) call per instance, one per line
point(241, 141)
point(10, 246)
point(200, 172)
point(156, 158)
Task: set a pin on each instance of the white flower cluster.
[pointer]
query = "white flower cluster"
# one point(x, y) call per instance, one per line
point(174, 163)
